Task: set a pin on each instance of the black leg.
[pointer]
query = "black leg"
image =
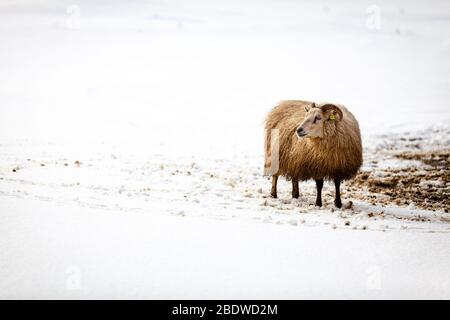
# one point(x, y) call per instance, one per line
point(319, 185)
point(337, 200)
point(295, 192)
point(273, 193)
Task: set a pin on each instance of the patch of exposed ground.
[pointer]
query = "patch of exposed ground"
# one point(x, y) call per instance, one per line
point(427, 186)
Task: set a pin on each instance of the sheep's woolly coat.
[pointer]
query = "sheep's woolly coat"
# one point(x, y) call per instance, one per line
point(338, 155)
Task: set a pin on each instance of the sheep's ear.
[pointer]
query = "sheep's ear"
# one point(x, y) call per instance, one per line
point(333, 110)
point(307, 109)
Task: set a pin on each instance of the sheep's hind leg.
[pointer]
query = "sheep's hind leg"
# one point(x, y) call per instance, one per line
point(319, 185)
point(295, 192)
point(273, 193)
point(337, 200)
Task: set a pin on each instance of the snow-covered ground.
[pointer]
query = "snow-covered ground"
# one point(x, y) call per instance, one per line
point(131, 148)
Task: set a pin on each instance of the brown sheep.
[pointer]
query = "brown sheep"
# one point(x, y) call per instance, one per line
point(308, 141)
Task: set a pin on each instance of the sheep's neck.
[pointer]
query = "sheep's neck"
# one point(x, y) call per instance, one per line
point(327, 142)
point(322, 142)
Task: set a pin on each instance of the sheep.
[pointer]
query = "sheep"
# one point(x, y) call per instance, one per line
point(308, 141)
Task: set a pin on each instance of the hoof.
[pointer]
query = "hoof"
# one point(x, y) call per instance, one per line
point(318, 204)
point(338, 204)
point(295, 196)
point(274, 195)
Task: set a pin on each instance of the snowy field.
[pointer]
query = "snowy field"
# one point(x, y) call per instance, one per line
point(131, 149)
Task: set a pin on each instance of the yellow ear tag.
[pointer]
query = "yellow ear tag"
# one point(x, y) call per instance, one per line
point(332, 117)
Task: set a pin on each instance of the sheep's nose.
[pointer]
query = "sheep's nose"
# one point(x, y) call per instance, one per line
point(301, 132)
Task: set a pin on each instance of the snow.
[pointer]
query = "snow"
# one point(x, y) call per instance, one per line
point(131, 148)
point(112, 255)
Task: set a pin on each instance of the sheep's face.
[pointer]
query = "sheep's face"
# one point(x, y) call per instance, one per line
point(316, 119)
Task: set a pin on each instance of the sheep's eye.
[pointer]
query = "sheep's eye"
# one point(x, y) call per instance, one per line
point(318, 118)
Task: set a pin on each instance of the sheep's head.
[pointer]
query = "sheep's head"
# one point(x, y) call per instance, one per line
point(318, 119)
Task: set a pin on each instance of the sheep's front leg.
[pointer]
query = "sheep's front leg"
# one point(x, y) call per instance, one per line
point(337, 200)
point(319, 185)
point(295, 192)
point(273, 193)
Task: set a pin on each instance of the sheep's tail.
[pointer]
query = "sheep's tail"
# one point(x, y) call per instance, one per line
point(272, 148)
